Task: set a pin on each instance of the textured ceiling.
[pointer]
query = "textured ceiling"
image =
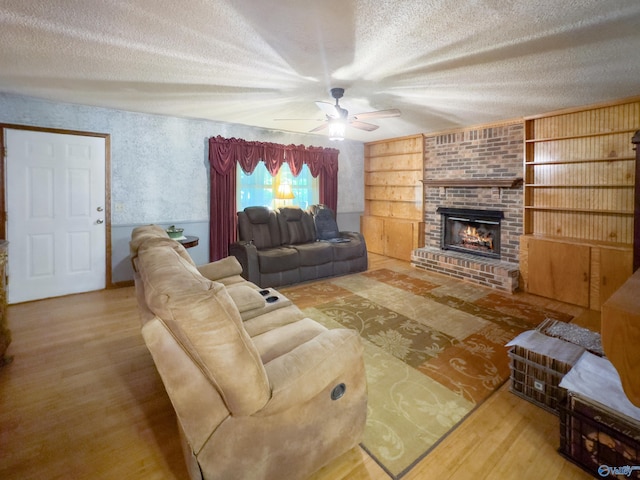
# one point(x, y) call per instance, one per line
point(444, 64)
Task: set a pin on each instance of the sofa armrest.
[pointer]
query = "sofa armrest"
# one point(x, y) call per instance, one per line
point(247, 255)
point(352, 235)
point(312, 367)
point(220, 269)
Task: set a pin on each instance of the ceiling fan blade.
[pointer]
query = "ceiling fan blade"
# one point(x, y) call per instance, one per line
point(319, 127)
point(393, 112)
point(299, 119)
point(328, 108)
point(369, 127)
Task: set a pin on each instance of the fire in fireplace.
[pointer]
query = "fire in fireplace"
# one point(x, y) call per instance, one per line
point(471, 231)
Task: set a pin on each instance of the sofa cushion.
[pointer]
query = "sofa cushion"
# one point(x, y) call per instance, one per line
point(151, 235)
point(259, 225)
point(203, 318)
point(316, 253)
point(246, 298)
point(296, 226)
point(221, 269)
point(257, 215)
point(354, 248)
point(326, 226)
point(140, 234)
point(282, 340)
point(274, 260)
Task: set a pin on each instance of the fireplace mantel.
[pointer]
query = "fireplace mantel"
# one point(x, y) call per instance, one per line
point(475, 182)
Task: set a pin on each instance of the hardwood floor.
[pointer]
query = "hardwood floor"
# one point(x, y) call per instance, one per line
point(82, 399)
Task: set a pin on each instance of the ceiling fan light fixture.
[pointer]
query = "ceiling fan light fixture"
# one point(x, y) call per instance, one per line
point(337, 128)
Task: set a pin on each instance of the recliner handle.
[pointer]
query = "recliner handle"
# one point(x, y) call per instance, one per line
point(338, 391)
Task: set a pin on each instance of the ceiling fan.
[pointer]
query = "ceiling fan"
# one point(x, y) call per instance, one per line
point(337, 118)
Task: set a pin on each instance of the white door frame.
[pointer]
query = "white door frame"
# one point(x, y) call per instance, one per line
point(107, 186)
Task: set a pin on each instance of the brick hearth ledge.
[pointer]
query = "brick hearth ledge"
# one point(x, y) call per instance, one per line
point(483, 271)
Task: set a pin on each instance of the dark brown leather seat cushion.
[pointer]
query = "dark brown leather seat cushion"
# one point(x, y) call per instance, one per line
point(274, 260)
point(315, 253)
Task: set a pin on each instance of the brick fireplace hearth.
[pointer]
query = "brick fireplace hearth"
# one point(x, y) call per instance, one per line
point(479, 169)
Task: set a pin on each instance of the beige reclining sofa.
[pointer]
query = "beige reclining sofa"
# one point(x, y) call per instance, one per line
point(259, 390)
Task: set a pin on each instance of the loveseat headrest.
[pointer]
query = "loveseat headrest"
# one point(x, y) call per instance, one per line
point(257, 214)
point(148, 236)
point(296, 226)
point(142, 233)
point(291, 214)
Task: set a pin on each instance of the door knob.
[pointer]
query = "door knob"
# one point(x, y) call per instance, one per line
point(99, 221)
point(99, 209)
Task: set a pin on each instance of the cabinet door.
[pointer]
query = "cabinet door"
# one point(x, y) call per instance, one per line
point(399, 238)
point(372, 229)
point(615, 268)
point(560, 271)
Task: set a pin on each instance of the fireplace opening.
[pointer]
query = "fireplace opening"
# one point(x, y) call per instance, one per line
point(471, 231)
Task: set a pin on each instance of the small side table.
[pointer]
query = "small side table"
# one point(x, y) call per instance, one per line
point(189, 241)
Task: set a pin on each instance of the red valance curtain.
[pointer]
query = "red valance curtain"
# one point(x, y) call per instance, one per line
point(225, 153)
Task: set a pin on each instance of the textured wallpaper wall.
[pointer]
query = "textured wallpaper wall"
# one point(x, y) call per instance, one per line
point(159, 166)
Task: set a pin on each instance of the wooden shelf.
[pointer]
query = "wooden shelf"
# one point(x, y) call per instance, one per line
point(579, 210)
point(592, 160)
point(475, 182)
point(396, 154)
point(580, 241)
point(594, 185)
point(584, 135)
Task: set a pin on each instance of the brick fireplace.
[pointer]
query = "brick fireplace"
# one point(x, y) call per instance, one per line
point(477, 170)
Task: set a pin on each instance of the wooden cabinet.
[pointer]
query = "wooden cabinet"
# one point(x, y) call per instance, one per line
point(560, 271)
point(392, 237)
point(5, 333)
point(372, 228)
point(610, 268)
point(393, 218)
point(573, 271)
point(579, 174)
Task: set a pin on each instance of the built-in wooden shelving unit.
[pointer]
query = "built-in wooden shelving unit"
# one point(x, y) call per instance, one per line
point(579, 178)
point(393, 220)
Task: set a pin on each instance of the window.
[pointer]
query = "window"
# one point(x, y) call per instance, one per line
point(260, 188)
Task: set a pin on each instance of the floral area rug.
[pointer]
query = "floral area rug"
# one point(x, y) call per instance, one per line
point(434, 350)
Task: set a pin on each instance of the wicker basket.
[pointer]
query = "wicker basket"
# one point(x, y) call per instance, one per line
point(538, 364)
point(587, 339)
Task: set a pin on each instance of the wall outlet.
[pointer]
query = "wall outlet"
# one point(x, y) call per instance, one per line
point(119, 207)
point(538, 385)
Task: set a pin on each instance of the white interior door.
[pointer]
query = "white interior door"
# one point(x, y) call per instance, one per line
point(55, 209)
